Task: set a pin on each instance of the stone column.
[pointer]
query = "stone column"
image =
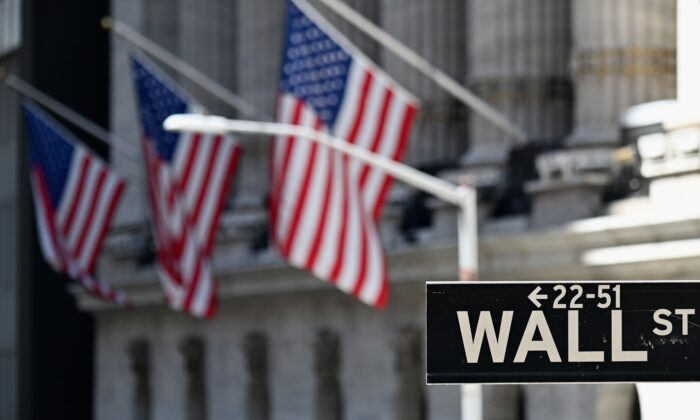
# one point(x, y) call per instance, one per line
point(159, 21)
point(518, 62)
point(192, 350)
point(207, 40)
point(437, 31)
point(502, 402)
point(367, 8)
point(517, 56)
point(329, 404)
point(257, 392)
point(560, 401)
point(409, 402)
point(139, 360)
point(259, 29)
point(162, 23)
point(624, 54)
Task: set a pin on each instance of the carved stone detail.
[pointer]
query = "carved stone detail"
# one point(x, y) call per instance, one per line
point(570, 164)
point(624, 54)
point(409, 401)
point(326, 366)
point(192, 350)
point(257, 392)
point(625, 62)
point(139, 361)
point(672, 153)
point(503, 402)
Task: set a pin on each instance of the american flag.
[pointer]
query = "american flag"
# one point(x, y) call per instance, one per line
point(75, 196)
point(324, 206)
point(188, 178)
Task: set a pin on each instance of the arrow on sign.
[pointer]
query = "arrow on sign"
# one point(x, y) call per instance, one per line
point(535, 297)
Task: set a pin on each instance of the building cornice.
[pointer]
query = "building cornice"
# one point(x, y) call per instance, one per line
point(639, 246)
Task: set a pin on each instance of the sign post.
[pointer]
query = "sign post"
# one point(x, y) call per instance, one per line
point(549, 332)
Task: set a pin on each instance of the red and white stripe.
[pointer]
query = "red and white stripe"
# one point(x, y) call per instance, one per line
point(324, 205)
point(187, 198)
point(71, 236)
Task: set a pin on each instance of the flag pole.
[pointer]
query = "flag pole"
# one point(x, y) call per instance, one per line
point(166, 57)
point(29, 91)
point(440, 78)
point(463, 196)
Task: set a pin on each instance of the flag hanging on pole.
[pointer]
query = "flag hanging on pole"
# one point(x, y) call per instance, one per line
point(75, 196)
point(188, 179)
point(324, 205)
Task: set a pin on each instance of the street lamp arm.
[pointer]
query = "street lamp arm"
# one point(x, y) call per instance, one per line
point(407, 174)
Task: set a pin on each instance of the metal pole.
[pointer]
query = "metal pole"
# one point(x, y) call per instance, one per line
point(467, 231)
point(24, 88)
point(450, 85)
point(470, 395)
point(164, 56)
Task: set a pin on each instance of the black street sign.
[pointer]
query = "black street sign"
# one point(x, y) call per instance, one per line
point(598, 331)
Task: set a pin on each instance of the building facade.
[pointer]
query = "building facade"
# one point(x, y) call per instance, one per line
point(9, 216)
point(572, 203)
point(45, 341)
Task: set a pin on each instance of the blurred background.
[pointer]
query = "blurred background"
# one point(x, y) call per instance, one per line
point(606, 187)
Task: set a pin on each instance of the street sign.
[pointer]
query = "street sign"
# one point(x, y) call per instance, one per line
point(536, 332)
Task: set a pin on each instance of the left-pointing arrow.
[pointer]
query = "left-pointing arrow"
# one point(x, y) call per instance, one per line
point(535, 297)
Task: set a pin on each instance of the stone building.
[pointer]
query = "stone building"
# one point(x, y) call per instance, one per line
point(572, 203)
point(9, 217)
point(45, 43)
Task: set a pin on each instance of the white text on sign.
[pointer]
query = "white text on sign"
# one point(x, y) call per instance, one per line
point(607, 297)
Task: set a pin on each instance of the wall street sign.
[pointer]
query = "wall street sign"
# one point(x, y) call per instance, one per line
point(597, 331)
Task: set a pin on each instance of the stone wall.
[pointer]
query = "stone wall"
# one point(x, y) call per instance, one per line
point(518, 53)
point(377, 365)
point(311, 352)
point(123, 115)
point(11, 243)
point(259, 32)
point(437, 31)
point(624, 54)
